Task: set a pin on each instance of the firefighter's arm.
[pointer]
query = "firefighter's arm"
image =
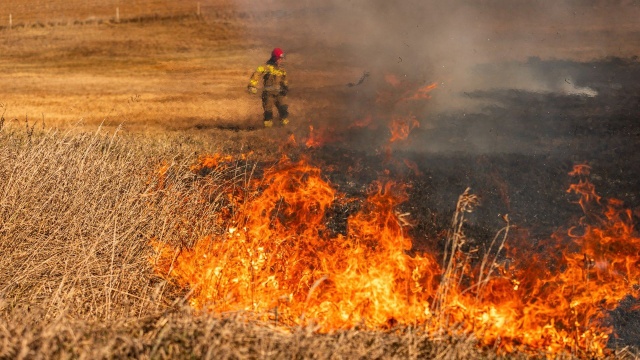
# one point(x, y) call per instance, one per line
point(253, 81)
point(284, 85)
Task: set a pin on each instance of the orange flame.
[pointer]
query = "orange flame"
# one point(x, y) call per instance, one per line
point(210, 162)
point(278, 257)
point(403, 91)
point(401, 128)
point(276, 254)
point(160, 177)
point(422, 93)
point(313, 140)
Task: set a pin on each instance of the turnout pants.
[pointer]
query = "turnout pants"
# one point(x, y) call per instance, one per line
point(271, 100)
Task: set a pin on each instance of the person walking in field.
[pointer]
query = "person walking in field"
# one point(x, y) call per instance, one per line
point(274, 88)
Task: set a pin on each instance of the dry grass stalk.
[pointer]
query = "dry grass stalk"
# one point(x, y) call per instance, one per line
point(452, 265)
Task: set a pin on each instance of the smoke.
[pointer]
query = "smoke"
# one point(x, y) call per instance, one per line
point(464, 46)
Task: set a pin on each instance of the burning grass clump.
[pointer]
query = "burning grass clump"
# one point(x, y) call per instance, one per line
point(277, 260)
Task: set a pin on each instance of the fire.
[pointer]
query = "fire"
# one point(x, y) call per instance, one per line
point(277, 255)
point(391, 111)
point(210, 161)
point(320, 137)
point(313, 140)
point(160, 175)
point(401, 127)
point(403, 91)
point(277, 259)
point(423, 92)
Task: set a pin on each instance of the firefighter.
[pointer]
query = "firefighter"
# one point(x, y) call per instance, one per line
point(274, 88)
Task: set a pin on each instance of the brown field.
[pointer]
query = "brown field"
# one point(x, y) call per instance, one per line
point(102, 118)
point(144, 75)
point(161, 68)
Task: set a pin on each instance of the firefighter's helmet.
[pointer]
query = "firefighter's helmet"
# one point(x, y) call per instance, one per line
point(277, 53)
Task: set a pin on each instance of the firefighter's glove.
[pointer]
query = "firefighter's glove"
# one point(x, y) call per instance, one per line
point(284, 91)
point(252, 90)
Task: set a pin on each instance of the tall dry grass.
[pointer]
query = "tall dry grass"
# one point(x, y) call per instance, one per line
point(76, 214)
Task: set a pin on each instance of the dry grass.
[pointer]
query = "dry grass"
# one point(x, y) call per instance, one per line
point(153, 75)
point(182, 335)
point(145, 75)
point(76, 214)
point(26, 13)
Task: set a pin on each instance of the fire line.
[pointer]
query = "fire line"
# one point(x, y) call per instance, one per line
point(276, 256)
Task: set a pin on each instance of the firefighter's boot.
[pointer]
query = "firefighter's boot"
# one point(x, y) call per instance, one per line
point(284, 121)
point(268, 123)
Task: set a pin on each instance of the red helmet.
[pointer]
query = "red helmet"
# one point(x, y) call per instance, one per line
point(277, 53)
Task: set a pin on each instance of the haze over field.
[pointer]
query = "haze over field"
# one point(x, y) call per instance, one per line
point(463, 46)
point(444, 40)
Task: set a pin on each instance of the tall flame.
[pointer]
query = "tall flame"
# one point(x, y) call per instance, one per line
point(277, 258)
point(278, 254)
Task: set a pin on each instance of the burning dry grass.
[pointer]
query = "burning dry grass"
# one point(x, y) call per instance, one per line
point(277, 259)
point(76, 214)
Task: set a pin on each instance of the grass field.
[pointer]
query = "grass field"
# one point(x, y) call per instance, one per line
point(102, 119)
point(137, 74)
point(173, 72)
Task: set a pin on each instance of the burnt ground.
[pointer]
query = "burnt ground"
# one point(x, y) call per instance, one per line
point(515, 152)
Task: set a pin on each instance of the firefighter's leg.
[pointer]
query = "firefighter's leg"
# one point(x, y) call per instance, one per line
point(283, 109)
point(267, 105)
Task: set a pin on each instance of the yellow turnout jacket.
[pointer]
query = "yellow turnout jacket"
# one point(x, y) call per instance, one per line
point(274, 78)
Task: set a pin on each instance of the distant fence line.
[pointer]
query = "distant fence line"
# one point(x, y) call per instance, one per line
point(97, 21)
point(195, 10)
